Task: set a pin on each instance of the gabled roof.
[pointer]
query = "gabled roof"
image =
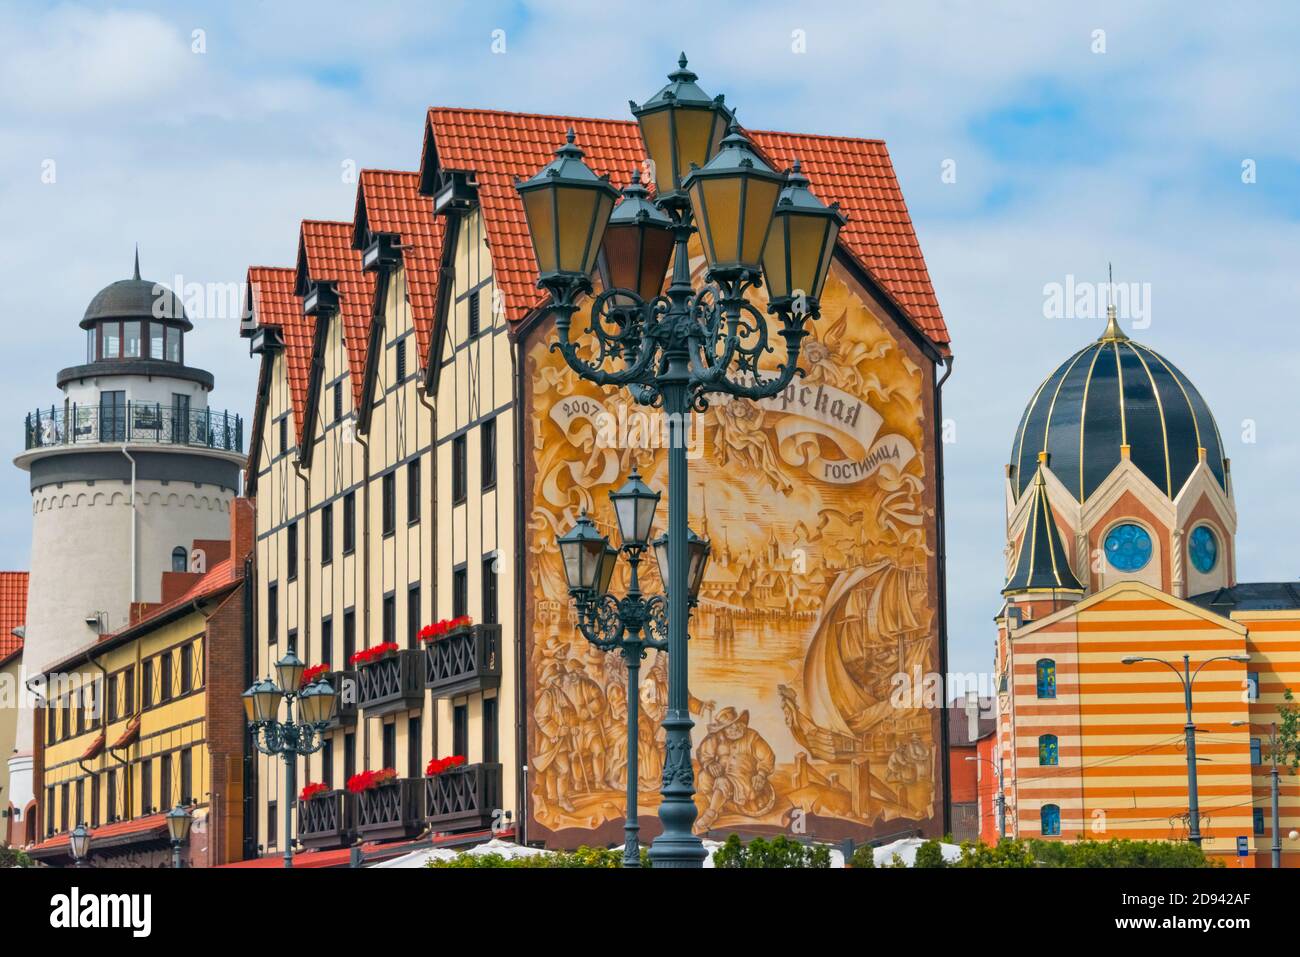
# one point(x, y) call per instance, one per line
point(1250, 596)
point(499, 147)
point(13, 612)
point(389, 202)
point(325, 254)
point(274, 304)
point(1043, 564)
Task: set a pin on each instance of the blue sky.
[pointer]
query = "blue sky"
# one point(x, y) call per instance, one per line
point(1066, 157)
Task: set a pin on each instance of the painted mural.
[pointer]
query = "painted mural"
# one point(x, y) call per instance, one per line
point(818, 593)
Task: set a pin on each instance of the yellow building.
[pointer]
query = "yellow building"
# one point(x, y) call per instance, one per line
point(13, 614)
point(149, 717)
point(416, 449)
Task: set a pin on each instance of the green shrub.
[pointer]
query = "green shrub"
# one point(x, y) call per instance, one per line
point(863, 856)
point(584, 856)
point(13, 857)
point(1084, 853)
point(930, 854)
point(779, 852)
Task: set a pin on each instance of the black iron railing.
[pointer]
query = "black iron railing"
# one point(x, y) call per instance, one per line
point(326, 819)
point(465, 662)
point(134, 422)
point(463, 798)
point(390, 810)
point(392, 683)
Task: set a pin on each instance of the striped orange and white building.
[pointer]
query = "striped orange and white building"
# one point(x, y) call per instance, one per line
point(1121, 580)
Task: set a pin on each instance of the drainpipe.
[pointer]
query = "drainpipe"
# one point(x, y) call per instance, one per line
point(365, 565)
point(521, 727)
point(133, 531)
point(942, 564)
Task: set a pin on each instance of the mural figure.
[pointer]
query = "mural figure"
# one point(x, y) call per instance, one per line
point(736, 766)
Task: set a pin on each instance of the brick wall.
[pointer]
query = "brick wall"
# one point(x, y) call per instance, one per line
point(224, 669)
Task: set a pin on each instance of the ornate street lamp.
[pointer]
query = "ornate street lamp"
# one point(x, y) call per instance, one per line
point(79, 842)
point(179, 820)
point(676, 349)
point(288, 738)
point(698, 551)
point(637, 246)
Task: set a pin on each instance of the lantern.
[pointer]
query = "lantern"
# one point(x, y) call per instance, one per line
point(582, 550)
point(681, 127)
point(734, 196)
point(634, 507)
point(801, 245)
point(638, 244)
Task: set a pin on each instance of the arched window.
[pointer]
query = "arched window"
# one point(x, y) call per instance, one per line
point(1046, 678)
point(1203, 549)
point(1049, 817)
point(180, 559)
point(1047, 750)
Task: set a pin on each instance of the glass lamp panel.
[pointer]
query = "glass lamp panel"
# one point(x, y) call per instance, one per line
point(698, 135)
point(807, 235)
point(776, 262)
point(248, 705)
point(661, 558)
point(656, 254)
point(266, 701)
point(329, 700)
point(288, 671)
point(604, 205)
point(656, 134)
point(620, 257)
point(645, 517)
point(593, 551)
point(606, 574)
point(717, 202)
point(625, 511)
point(698, 553)
point(571, 554)
point(576, 210)
point(539, 209)
point(80, 841)
point(309, 704)
point(760, 203)
point(828, 255)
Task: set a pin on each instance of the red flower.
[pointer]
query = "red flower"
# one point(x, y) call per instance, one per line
point(437, 765)
point(369, 780)
point(440, 629)
point(367, 655)
point(312, 673)
point(311, 790)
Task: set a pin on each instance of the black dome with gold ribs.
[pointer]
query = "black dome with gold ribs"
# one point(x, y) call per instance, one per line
point(1116, 392)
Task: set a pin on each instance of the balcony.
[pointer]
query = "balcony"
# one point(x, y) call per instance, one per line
point(463, 799)
point(391, 684)
point(344, 684)
point(390, 811)
point(326, 819)
point(134, 423)
point(464, 663)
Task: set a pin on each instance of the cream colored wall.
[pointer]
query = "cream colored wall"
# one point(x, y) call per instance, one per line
point(10, 678)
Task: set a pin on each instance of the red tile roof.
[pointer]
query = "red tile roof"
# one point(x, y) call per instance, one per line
point(390, 202)
point(325, 254)
point(13, 612)
point(116, 832)
point(274, 304)
point(499, 147)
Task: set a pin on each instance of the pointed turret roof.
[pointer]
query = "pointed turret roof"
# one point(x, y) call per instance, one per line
point(1042, 564)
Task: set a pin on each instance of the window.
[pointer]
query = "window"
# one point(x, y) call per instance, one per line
point(51, 723)
point(110, 788)
point(174, 343)
point(327, 643)
point(473, 314)
point(488, 453)
point(1257, 814)
point(291, 549)
point(112, 332)
point(181, 419)
point(180, 559)
point(1048, 754)
point(284, 435)
point(413, 492)
point(187, 776)
point(1252, 685)
point(293, 641)
point(1203, 549)
point(1050, 820)
point(112, 416)
point(146, 787)
point(338, 400)
point(388, 751)
point(49, 809)
point(327, 764)
point(128, 690)
point(272, 823)
point(414, 746)
point(349, 755)
point(490, 730)
point(401, 359)
point(389, 621)
point(111, 702)
point(67, 716)
point(81, 800)
point(94, 800)
point(460, 730)
point(165, 801)
point(1046, 678)
point(412, 616)
point(349, 636)
point(156, 333)
point(146, 683)
point(187, 668)
point(459, 473)
point(326, 534)
point(1256, 751)
point(165, 673)
point(1128, 547)
point(349, 522)
point(81, 710)
point(388, 485)
point(489, 610)
point(459, 592)
point(130, 340)
point(272, 613)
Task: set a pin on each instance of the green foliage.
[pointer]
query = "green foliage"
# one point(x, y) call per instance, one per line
point(780, 852)
point(930, 854)
point(863, 856)
point(13, 857)
point(584, 856)
point(1288, 732)
point(1085, 853)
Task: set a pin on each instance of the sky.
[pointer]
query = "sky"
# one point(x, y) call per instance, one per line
point(1034, 144)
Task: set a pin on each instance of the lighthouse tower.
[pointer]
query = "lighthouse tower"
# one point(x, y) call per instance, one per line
point(128, 467)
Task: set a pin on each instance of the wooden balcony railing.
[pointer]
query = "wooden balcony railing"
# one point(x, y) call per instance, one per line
point(326, 819)
point(392, 683)
point(463, 799)
point(390, 810)
point(464, 663)
point(344, 684)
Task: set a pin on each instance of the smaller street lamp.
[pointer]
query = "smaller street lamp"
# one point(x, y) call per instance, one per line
point(798, 254)
point(637, 247)
point(79, 841)
point(178, 820)
point(682, 127)
point(698, 551)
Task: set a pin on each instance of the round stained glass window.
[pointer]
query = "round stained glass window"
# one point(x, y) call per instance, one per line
point(1128, 547)
point(1204, 549)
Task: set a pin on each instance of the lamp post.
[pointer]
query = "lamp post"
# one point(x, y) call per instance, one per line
point(626, 624)
point(1277, 827)
point(179, 820)
point(289, 739)
point(79, 843)
point(1002, 796)
point(1186, 677)
point(673, 350)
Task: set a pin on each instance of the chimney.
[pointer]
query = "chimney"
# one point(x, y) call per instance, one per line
point(243, 530)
